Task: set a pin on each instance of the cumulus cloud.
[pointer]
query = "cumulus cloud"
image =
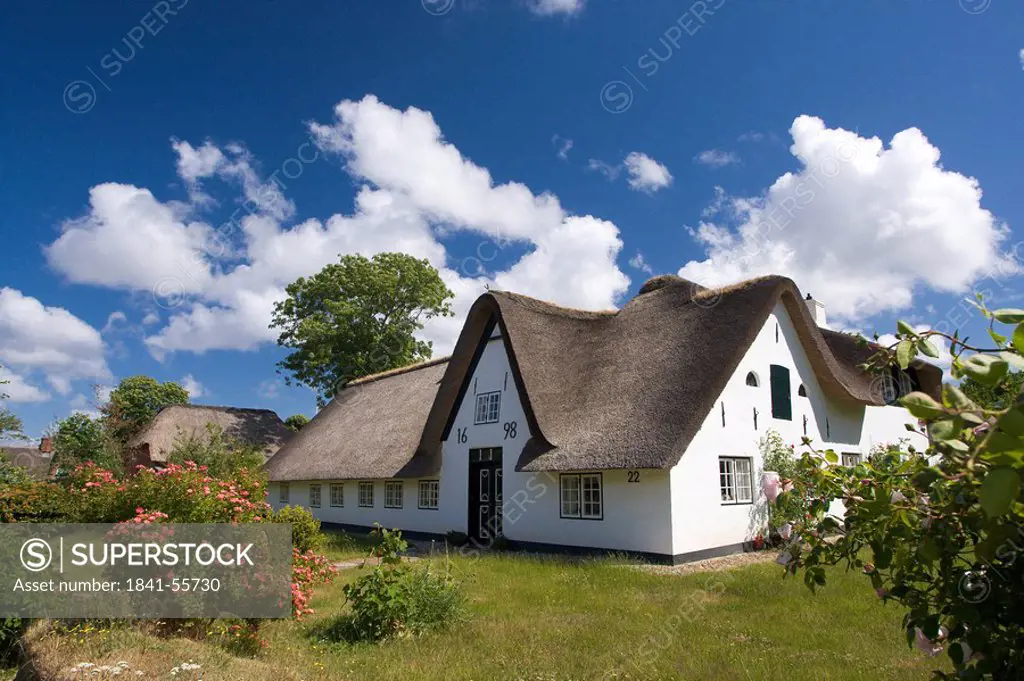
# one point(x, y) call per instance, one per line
point(17, 389)
point(415, 189)
point(546, 8)
point(717, 158)
point(860, 224)
point(645, 174)
point(194, 388)
point(45, 341)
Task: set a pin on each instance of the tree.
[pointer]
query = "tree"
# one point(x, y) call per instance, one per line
point(295, 422)
point(998, 396)
point(134, 403)
point(357, 317)
point(10, 425)
point(80, 438)
point(939, 532)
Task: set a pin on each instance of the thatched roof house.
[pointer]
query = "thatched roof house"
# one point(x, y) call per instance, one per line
point(35, 460)
point(261, 428)
point(625, 389)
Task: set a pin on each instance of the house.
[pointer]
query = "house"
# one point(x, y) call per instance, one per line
point(260, 428)
point(635, 430)
point(35, 460)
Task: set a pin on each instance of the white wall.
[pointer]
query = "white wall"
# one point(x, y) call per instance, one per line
point(699, 518)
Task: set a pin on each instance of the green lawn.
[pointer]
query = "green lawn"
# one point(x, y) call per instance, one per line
point(550, 619)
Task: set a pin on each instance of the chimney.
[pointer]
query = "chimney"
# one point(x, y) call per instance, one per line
point(46, 445)
point(817, 310)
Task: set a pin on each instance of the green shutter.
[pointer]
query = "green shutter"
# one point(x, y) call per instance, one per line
point(782, 405)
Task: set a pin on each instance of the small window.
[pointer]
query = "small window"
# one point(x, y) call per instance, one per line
point(752, 380)
point(801, 391)
point(851, 459)
point(314, 496)
point(366, 494)
point(337, 494)
point(488, 407)
point(429, 492)
point(283, 493)
point(582, 496)
point(782, 402)
point(393, 494)
point(735, 480)
point(897, 384)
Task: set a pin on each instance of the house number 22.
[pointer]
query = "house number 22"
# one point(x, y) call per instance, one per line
point(632, 476)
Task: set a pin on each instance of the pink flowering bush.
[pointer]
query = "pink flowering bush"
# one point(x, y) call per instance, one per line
point(309, 569)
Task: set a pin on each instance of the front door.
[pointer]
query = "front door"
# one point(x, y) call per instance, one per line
point(485, 494)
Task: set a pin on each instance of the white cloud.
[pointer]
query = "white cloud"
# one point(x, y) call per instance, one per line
point(716, 158)
point(18, 389)
point(638, 262)
point(150, 319)
point(269, 390)
point(49, 341)
point(113, 319)
point(646, 174)
point(752, 136)
point(609, 171)
point(415, 189)
point(551, 7)
point(194, 388)
point(860, 225)
point(562, 145)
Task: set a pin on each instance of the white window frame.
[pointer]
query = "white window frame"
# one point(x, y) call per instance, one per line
point(488, 408)
point(366, 494)
point(429, 494)
point(581, 496)
point(390, 487)
point(337, 495)
point(315, 499)
point(731, 476)
point(851, 459)
point(283, 493)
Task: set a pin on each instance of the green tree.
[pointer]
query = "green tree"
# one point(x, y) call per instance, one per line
point(80, 438)
point(134, 403)
point(295, 422)
point(357, 317)
point(998, 396)
point(940, 532)
point(10, 425)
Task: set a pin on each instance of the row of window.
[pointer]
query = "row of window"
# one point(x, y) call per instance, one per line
point(736, 479)
point(394, 494)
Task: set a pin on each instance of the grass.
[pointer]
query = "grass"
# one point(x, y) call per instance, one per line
point(549, 619)
point(342, 546)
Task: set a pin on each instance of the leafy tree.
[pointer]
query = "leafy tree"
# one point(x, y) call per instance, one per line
point(357, 317)
point(998, 396)
point(11, 473)
point(940, 532)
point(295, 422)
point(134, 403)
point(80, 438)
point(10, 425)
point(222, 455)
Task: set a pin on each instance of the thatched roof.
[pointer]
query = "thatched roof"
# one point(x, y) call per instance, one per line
point(601, 390)
point(260, 428)
point(35, 462)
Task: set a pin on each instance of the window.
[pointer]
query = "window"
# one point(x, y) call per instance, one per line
point(752, 380)
point(734, 480)
point(314, 496)
point(801, 391)
point(897, 384)
point(851, 459)
point(393, 494)
point(366, 494)
point(283, 493)
point(337, 494)
point(782, 404)
point(488, 407)
point(428, 494)
point(582, 496)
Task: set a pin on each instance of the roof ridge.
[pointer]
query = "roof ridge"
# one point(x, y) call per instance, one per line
point(218, 407)
point(399, 370)
point(547, 307)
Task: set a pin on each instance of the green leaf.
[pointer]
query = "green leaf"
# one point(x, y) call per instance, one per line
point(928, 549)
point(905, 353)
point(831, 457)
point(1012, 423)
point(999, 490)
point(999, 338)
point(928, 348)
point(986, 369)
point(945, 429)
point(922, 405)
point(905, 328)
point(1018, 337)
point(1008, 315)
point(954, 397)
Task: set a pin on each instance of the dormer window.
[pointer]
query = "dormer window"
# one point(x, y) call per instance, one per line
point(488, 408)
point(752, 380)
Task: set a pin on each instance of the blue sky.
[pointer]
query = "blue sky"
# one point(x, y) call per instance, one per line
point(576, 135)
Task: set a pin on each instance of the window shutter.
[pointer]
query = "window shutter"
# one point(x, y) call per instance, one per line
point(782, 406)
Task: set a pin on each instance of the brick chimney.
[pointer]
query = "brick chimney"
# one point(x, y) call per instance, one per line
point(46, 445)
point(817, 310)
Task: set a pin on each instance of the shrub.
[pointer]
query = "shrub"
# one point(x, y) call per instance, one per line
point(221, 455)
point(11, 629)
point(456, 538)
point(394, 599)
point(80, 438)
point(34, 502)
point(306, 535)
